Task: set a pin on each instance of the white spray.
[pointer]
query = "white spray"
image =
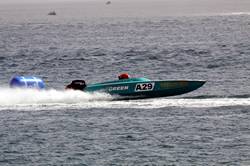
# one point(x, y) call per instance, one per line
point(29, 99)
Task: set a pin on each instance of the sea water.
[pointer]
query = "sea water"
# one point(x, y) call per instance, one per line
point(96, 42)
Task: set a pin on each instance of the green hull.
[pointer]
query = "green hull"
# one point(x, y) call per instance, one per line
point(145, 88)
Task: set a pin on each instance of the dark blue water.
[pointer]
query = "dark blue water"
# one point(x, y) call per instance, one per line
point(209, 126)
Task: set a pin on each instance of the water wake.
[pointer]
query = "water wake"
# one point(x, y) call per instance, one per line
point(10, 97)
point(27, 99)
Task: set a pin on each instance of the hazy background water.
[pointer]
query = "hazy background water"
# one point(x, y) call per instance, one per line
point(96, 42)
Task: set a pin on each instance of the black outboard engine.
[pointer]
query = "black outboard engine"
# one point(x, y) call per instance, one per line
point(77, 85)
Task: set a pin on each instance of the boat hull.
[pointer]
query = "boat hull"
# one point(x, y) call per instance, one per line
point(146, 89)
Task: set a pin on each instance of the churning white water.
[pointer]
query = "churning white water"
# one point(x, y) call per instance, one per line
point(10, 97)
point(30, 99)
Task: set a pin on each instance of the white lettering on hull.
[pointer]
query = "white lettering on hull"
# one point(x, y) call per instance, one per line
point(117, 88)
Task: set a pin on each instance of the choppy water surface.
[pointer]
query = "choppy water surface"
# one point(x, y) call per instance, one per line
point(209, 126)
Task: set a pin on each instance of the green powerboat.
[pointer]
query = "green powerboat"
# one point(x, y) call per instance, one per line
point(139, 87)
point(125, 86)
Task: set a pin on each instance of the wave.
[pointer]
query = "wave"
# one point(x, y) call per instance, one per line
point(235, 13)
point(30, 100)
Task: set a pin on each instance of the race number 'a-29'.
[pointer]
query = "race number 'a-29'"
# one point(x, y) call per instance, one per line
point(144, 87)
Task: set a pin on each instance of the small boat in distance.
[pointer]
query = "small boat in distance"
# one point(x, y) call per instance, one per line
point(52, 13)
point(108, 2)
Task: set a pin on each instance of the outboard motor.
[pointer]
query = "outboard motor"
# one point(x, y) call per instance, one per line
point(77, 85)
point(27, 82)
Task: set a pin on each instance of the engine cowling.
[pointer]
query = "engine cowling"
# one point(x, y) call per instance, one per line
point(77, 85)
